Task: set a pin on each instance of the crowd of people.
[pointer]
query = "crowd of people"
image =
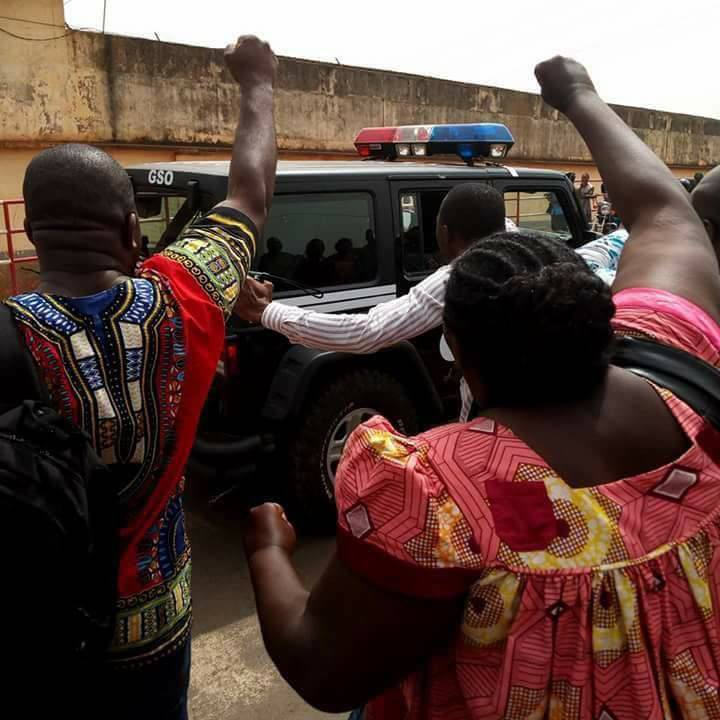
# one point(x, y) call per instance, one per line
point(552, 554)
point(605, 219)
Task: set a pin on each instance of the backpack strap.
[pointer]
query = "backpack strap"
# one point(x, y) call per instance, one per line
point(692, 380)
point(19, 380)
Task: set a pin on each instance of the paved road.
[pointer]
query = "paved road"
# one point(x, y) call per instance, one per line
point(232, 676)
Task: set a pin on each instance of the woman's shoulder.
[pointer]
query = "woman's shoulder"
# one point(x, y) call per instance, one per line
point(378, 451)
point(403, 521)
point(425, 479)
point(441, 456)
point(377, 446)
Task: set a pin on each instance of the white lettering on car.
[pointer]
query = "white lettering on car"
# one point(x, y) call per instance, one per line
point(161, 177)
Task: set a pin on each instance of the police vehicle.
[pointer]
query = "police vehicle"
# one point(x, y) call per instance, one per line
point(341, 237)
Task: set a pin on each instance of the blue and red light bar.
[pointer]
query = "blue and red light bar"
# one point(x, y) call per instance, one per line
point(490, 141)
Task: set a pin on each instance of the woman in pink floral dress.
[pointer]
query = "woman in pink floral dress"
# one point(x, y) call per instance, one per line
point(558, 556)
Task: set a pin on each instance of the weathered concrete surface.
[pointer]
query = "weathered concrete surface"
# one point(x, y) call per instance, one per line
point(118, 90)
point(29, 16)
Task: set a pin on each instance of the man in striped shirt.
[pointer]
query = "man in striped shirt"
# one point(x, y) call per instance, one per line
point(470, 212)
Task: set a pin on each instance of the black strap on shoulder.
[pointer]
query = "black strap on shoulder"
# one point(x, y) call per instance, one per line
point(689, 378)
point(19, 380)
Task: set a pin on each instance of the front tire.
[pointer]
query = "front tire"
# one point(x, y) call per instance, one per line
point(324, 427)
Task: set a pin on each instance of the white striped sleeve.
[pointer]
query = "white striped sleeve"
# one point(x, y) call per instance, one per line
point(386, 324)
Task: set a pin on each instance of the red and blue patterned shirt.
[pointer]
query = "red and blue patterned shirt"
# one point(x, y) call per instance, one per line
point(132, 366)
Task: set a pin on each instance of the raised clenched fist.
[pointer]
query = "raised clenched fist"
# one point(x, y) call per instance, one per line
point(562, 80)
point(251, 61)
point(267, 526)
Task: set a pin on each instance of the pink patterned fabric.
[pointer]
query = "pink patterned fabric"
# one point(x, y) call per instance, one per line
point(579, 603)
point(669, 319)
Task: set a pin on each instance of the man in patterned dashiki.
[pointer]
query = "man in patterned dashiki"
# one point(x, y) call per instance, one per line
point(557, 557)
point(130, 356)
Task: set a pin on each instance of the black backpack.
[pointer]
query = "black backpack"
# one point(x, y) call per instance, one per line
point(58, 529)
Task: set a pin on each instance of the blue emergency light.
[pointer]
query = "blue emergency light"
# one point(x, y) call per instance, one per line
point(490, 141)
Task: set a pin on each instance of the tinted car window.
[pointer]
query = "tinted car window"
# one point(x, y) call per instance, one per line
point(320, 240)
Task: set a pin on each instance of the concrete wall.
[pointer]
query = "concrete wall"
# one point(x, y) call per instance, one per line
point(117, 90)
point(145, 100)
point(28, 16)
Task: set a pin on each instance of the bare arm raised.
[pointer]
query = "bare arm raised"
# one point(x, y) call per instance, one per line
point(219, 247)
point(254, 158)
point(668, 247)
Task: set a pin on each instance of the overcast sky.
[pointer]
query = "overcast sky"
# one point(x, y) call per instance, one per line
point(649, 53)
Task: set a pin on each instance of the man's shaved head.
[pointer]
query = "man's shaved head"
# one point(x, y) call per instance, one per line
point(76, 187)
point(80, 215)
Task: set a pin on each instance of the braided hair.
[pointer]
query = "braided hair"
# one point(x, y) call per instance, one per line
point(531, 318)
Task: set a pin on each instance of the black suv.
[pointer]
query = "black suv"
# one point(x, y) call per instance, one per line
point(360, 233)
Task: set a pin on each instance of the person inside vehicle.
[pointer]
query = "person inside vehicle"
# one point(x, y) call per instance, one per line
point(469, 212)
point(413, 256)
point(311, 269)
point(556, 556)
point(129, 357)
point(341, 266)
point(276, 261)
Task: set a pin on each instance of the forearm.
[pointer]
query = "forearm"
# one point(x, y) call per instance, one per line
point(322, 331)
point(254, 155)
point(638, 181)
point(384, 325)
point(359, 334)
point(281, 601)
point(311, 655)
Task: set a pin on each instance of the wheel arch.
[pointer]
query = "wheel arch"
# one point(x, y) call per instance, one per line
point(303, 369)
